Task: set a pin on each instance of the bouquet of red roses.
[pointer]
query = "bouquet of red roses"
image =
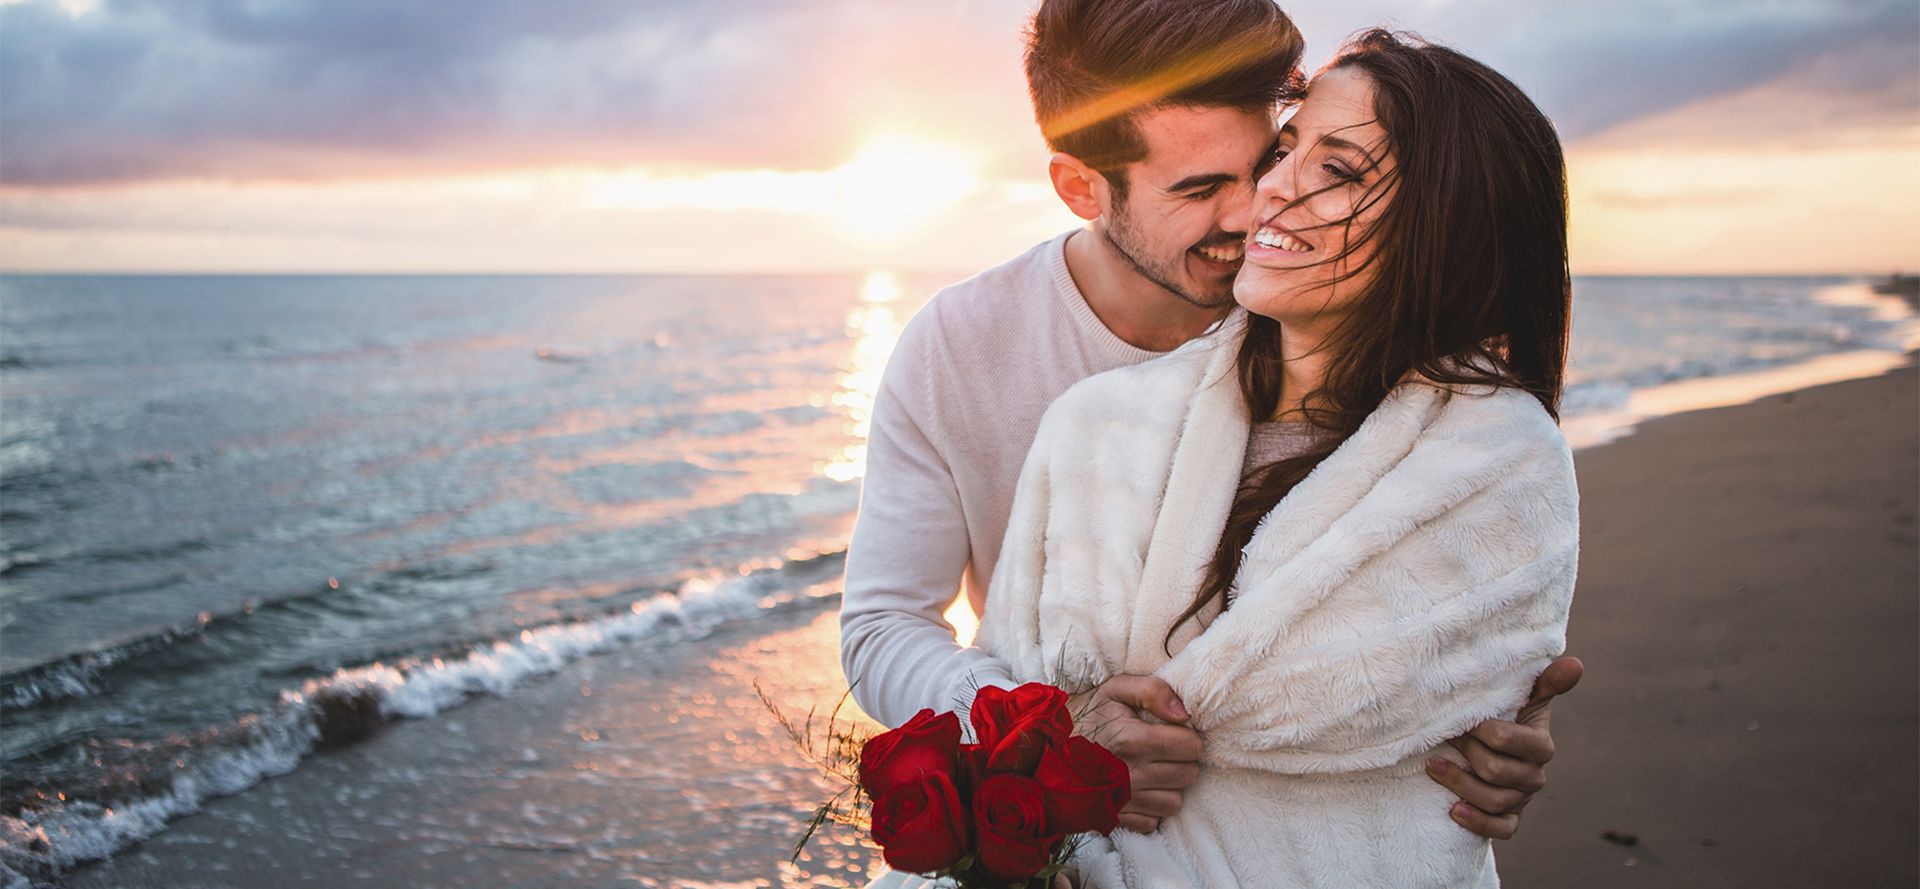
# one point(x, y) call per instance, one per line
point(1005, 810)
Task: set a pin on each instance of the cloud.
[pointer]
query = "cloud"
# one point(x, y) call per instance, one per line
point(1848, 97)
point(146, 89)
point(117, 91)
point(1593, 66)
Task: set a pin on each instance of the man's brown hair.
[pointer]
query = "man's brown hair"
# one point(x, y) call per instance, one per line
point(1092, 65)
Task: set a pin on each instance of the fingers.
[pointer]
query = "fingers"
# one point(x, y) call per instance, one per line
point(1164, 775)
point(1140, 742)
point(1500, 770)
point(1558, 678)
point(1154, 804)
point(1493, 827)
point(1531, 744)
point(1486, 809)
point(1149, 693)
point(1138, 823)
point(1162, 759)
point(1484, 797)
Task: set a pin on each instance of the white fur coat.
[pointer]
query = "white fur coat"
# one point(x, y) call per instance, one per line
point(1411, 587)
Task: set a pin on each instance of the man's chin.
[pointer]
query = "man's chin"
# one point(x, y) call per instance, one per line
point(1218, 299)
point(1209, 284)
point(1210, 292)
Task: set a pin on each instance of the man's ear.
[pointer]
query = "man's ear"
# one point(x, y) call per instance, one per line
point(1083, 189)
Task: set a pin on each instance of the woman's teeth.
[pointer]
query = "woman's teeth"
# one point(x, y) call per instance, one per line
point(1227, 253)
point(1267, 237)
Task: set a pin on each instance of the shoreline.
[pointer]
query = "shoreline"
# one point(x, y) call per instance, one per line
point(176, 856)
point(1686, 396)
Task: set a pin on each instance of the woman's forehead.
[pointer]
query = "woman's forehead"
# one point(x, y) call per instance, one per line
point(1339, 99)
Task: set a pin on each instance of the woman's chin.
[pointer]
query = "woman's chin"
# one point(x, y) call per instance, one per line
point(1251, 306)
point(1258, 290)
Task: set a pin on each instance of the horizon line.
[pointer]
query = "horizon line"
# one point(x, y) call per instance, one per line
point(709, 273)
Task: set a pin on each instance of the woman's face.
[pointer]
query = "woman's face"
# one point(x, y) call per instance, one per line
point(1321, 193)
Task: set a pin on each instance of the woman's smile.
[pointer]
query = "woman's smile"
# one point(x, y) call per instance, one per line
point(1272, 238)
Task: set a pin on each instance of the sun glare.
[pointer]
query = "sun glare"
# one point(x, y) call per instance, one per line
point(891, 188)
point(896, 183)
point(965, 623)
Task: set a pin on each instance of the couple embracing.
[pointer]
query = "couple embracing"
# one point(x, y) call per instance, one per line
point(1262, 464)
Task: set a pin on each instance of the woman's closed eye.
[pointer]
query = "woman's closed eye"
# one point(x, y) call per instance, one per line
point(1339, 172)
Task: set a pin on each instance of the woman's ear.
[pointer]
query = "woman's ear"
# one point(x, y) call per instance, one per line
point(1083, 189)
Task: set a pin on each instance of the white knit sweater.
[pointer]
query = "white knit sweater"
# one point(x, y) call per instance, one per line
point(952, 422)
point(1410, 588)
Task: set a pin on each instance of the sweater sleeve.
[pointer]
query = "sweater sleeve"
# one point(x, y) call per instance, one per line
point(908, 554)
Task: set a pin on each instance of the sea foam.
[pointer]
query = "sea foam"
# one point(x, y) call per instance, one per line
point(41, 842)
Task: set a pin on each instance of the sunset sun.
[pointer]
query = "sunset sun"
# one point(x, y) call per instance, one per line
point(896, 183)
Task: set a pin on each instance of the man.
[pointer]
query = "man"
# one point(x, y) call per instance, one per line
point(1161, 114)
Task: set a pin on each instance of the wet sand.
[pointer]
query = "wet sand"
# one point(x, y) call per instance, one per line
point(1747, 609)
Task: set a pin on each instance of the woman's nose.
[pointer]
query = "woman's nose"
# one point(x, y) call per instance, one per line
point(1276, 186)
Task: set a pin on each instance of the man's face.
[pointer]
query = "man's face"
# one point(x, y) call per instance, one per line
point(1183, 224)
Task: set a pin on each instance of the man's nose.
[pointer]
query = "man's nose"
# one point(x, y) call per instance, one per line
point(1236, 211)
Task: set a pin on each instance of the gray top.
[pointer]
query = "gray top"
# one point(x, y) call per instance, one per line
point(1277, 440)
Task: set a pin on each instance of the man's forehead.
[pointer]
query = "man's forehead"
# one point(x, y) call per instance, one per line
point(1187, 140)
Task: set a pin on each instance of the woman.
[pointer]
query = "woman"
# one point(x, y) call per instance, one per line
point(1343, 525)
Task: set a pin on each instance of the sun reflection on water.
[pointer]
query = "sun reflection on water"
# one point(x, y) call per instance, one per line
point(875, 329)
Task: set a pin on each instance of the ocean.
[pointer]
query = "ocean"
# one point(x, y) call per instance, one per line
point(244, 519)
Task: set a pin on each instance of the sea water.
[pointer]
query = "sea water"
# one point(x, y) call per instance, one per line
point(242, 518)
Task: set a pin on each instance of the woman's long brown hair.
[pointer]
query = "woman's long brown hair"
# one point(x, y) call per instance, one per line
point(1469, 268)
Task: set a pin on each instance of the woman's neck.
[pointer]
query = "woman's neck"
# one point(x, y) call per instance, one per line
point(1303, 347)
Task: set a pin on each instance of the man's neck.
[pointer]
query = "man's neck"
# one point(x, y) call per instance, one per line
point(1143, 314)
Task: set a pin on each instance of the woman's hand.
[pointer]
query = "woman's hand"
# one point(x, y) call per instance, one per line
point(1508, 760)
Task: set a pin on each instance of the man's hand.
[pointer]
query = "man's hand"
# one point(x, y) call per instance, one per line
point(1161, 759)
point(1508, 759)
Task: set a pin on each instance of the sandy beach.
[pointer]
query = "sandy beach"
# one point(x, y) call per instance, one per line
point(1747, 612)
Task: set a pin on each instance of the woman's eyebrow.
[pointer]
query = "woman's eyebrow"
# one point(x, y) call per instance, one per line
point(1332, 141)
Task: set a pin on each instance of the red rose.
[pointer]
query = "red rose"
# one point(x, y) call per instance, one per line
point(924, 746)
point(969, 768)
point(1015, 727)
point(920, 826)
point(1010, 817)
point(1086, 786)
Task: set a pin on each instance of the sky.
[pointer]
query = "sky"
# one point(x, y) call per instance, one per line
point(1703, 136)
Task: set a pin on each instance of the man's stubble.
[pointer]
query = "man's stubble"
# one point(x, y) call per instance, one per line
point(1120, 234)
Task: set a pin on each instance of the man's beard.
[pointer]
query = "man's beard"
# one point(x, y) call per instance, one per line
point(1121, 235)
